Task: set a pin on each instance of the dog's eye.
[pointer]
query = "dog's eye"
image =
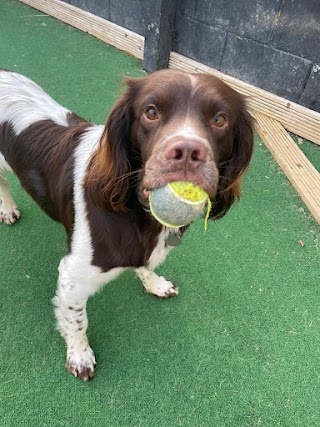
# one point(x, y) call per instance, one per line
point(219, 120)
point(152, 113)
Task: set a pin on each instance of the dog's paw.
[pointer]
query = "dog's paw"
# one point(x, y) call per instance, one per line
point(9, 215)
point(81, 365)
point(163, 288)
point(156, 285)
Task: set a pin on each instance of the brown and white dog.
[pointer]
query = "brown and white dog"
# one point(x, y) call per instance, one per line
point(95, 180)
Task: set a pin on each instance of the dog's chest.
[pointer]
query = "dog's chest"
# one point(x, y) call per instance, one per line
point(126, 240)
point(160, 251)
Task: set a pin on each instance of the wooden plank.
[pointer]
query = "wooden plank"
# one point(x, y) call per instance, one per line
point(104, 30)
point(299, 170)
point(295, 118)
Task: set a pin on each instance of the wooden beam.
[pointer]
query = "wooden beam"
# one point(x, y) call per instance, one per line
point(299, 170)
point(100, 28)
point(292, 116)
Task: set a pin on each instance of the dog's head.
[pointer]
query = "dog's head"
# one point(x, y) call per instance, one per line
point(173, 126)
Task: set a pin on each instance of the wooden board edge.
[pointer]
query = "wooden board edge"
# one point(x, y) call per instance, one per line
point(299, 170)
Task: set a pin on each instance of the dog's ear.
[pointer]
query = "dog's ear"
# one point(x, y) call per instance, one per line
point(232, 170)
point(107, 179)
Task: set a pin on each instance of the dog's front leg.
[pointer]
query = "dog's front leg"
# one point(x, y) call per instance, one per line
point(72, 322)
point(9, 212)
point(156, 285)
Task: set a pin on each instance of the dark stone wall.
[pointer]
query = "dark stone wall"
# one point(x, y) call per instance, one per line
point(272, 44)
point(129, 14)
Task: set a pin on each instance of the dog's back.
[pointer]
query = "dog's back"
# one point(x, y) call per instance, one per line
point(23, 102)
point(37, 139)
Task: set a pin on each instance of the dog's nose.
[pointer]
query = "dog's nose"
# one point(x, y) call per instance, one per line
point(186, 153)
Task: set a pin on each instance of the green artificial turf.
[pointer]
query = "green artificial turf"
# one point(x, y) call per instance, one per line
point(240, 345)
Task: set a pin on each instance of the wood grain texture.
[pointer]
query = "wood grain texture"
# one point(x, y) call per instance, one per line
point(301, 173)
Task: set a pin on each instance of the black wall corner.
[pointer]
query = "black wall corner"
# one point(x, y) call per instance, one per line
point(159, 33)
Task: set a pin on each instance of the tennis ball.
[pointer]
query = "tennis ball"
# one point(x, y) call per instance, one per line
point(178, 203)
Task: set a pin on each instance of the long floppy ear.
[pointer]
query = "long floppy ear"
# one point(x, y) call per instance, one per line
point(107, 181)
point(232, 170)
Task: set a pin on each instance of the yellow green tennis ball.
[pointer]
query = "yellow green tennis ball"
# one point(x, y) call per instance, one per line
point(178, 203)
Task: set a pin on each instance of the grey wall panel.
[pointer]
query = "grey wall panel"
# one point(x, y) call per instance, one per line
point(298, 29)
point(268, 68)
point(199, 41)
point(273, 44)
point(97, 7)
point(252, 18)
point(129, 14)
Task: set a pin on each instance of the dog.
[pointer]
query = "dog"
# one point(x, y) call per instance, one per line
point(95, 180)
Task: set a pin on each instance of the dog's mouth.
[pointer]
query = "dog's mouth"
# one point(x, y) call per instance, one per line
point(180, 159)
point(206, 179)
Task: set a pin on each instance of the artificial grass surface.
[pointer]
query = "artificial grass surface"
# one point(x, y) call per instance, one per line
point(240, 345)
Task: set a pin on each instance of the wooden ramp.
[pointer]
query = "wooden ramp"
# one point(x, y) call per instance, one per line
point(300, 171)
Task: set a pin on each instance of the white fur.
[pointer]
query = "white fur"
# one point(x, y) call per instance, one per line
point(161, 250)
point(3, 164)
point(9, 212)
point(156, 285)
point(187, 131)
point(79, 279)
point(23, 102)
point(193, 80)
